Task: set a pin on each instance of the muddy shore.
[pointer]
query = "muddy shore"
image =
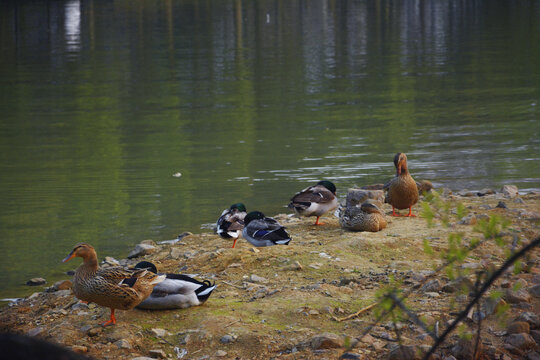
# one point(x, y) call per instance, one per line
point(283, 301)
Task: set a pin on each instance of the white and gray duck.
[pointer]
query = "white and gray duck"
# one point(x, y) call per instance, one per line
point(177, 291)
point(315, 200)
point(260, 230)
point(231, 222)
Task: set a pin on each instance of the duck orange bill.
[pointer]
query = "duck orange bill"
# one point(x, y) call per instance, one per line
point(69, 257)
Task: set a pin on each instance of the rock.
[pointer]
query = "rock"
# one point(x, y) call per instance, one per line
point(518, 200)
point(221, 353)
point(532, 318)
point(122, 344)
point(79, 349)
point(358, 196)
point(257, 279)
point(143, 358)
point(485, 192)
point(326, 341)
point(464, 349)
point(509, 191)
point(466, 193)
point(501, 205)
point(468, 220)
point(157, 354)
point(433, 285)
point(518, 327)
point(533, 355)
point(459, 284)
point(491, 305)
point(255, 250)
point(450, 357)
point(405, 352)
point(140, 250)
point(351, 356)
point(520, 341)
point(159, 332)
point(535, 290)
point(432, 294)
point(517, 296)
point(294, 266)
point(36, 282)
point(35, 331)
point(225, 339)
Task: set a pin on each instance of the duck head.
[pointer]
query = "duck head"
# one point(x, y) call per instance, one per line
point(238, 206)
point(329, 185)
point(254, 215)
point(146, 265)
point(83, 250)
point(400, 162)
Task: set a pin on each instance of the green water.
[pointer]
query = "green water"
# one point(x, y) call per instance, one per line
point(102, 102)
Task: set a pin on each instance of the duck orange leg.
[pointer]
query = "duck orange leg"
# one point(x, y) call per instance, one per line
point(317, 221)
point(394, 212)
point(410, 212)
point(234, 243)
point(112, 321)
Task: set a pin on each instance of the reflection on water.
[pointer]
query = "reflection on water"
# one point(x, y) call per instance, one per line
point(73, 25)
point(102, 102)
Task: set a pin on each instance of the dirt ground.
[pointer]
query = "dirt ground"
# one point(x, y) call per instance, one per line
point(284, 302)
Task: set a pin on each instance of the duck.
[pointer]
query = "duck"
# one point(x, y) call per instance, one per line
point(112, 287)
point(260, 230)
point(402, 191)
point(366, 217)
point(177, 291)
point(231, 222)
point(315, 200)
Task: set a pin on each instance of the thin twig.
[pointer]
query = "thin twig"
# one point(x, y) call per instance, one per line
point(233, 285)
point(479, 294)
point(412, 315)
point(355, 314)
point(232, 323)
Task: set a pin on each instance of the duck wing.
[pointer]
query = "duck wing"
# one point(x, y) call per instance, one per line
point(267, 229)
point(318, 194)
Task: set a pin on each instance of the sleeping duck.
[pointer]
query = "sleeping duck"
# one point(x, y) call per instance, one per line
point(231, 222)
point(176, 291)
point(113, 287)
point(260, 230)
point(315, 200)
point(366, 217)
point(402, 190)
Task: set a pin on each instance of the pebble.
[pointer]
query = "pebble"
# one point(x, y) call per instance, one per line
point(351, 356)
point(143, 358)
point(530, 317)
point(404, 352)
point(221, 353)
point(157, 353)
point(257, 279)
point(521, 341)
point(536, 335)
point(533, 355)
point(111, 261)
point(122, 344)
point(36, 282)
point(517, 296)
point(79, 349)
point(141, 249)
point(35, 331)
point(225, 339)
point(465, 193)
point(535, 290)
point(159, 332)
point(326, 341)
point(501, 205)
point(464, 349)
point(468, 220)
point(432, 286)
point(485, 192)
point(95, 331)
point(433, 294)
point(176, 253)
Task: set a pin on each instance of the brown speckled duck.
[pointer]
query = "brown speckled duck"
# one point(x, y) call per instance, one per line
point(366, 217)
point(402, 190)
point(113, 287)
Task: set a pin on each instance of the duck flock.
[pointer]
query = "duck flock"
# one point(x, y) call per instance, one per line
point(142, 286)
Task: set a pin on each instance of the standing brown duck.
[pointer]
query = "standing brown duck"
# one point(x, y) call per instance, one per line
point(113, 287)
point(402, 190)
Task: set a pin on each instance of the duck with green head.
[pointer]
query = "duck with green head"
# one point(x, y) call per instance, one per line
point(231, 222)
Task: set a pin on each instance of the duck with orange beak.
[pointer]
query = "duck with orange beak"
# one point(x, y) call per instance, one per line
point(113, 287)
point(402, 192)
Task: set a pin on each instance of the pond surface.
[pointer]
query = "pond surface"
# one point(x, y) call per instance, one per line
point(251, 101)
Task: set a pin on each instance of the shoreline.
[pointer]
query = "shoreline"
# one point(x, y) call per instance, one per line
point(325, 272)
